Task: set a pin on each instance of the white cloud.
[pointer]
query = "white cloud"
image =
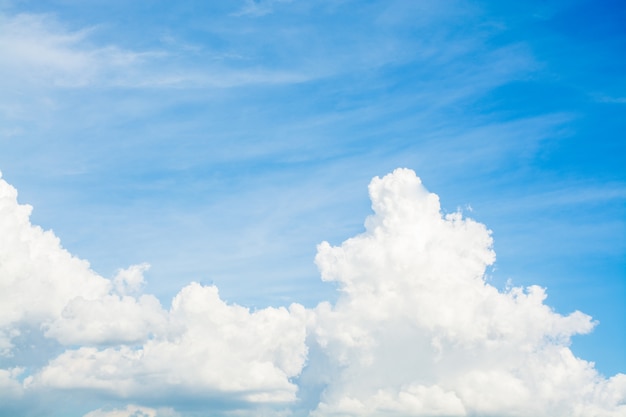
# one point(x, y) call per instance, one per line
point(38, 277)
point(111, 319)
point(130, 280)
point(10, 388)
point(208, 348)
point(134, 411)
point(418, 331)
point(129, 345)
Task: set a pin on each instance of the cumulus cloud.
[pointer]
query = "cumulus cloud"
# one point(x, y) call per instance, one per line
point(9, 386)
point(209, 348)
point(416, 331)
point(38, 277)
point(111, 319)
point(419, 331)
point(129, 345)
point(130, 280)
point(114, 318)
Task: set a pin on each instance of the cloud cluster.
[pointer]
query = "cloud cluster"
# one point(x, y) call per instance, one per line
point(416, 331)
point(206, 348)
point(129, 345)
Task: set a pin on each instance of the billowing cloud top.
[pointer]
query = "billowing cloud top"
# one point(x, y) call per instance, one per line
point(416, 331)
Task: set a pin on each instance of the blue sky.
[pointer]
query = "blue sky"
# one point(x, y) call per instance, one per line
point(221, 142)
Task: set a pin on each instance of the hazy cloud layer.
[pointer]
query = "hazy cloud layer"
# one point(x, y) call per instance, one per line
point(417, 329)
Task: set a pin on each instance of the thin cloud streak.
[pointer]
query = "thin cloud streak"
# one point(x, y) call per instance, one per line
point(40, 52)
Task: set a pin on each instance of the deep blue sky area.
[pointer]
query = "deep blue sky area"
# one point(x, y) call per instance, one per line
point(221, 142)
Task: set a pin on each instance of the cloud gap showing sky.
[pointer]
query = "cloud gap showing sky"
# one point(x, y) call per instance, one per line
point(417, 330)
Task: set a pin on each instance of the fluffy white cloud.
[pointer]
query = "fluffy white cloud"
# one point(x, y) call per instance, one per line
point(209, 348)
point(129, 345)
point(111, 319)
point(114, 318)
point(417, 330)
point(9, 386)
point(43, 286)
point(38, 278)
point(130, 280)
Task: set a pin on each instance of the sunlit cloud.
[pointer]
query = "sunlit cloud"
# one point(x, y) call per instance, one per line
point(417, 329)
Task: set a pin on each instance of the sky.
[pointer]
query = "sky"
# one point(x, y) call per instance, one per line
point(312, 208)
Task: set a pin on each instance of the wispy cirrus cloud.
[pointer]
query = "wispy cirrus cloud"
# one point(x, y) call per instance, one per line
point(256, 8)
point(40, 50)
point(44, 50)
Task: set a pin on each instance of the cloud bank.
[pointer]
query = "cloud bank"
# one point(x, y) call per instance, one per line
point(416, 331)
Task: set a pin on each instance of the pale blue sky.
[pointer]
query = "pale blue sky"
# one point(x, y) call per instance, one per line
point(222, 141)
